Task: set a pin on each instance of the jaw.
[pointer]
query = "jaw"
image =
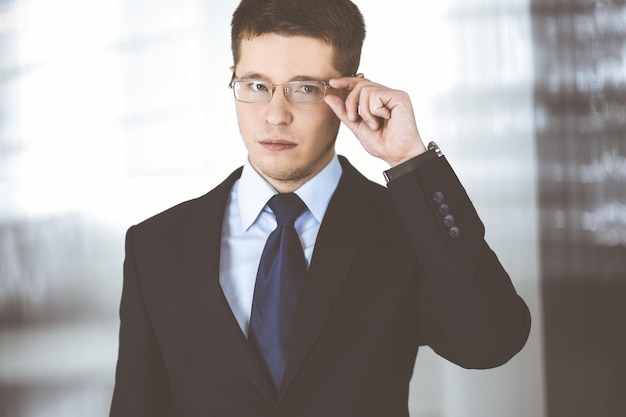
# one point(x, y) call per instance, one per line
point(286, 170)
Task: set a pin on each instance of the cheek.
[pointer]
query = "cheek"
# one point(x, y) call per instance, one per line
point(323, 118)
point(329, 123)
point(247, 120)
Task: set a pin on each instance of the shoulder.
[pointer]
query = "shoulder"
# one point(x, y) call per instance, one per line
point(353, 179)
point(357, 188)
point(188, 210)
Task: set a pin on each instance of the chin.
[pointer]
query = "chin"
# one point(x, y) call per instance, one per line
point(285, 174)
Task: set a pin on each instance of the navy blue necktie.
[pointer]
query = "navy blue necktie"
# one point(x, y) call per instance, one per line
point(280, 277)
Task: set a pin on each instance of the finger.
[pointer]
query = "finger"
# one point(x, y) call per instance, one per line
point(337, 105)
point(351, 84)
point(348, 83)
point(364, 111)
point(378, 106)
point(371, 108)
point(352, 103)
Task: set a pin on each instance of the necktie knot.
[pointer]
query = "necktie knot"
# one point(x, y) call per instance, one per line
point(286, 207)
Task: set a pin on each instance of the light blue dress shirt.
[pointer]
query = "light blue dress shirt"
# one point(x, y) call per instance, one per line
point(248, 222)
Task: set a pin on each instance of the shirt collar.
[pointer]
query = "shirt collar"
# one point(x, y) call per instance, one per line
point(253, 192)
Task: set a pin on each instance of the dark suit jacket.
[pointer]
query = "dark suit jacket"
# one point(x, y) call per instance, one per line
point(386, 277)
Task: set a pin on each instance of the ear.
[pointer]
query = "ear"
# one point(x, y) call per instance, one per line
point(232, 76)
point(360, 75)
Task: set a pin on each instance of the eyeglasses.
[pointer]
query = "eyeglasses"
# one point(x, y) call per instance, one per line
point(257, 92)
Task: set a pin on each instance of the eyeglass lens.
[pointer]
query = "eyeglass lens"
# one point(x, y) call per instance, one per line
point(251, 91)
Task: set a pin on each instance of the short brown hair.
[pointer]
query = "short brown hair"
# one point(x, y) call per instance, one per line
point(339, 23)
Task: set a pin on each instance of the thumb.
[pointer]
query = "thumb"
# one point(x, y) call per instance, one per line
point(338, 106)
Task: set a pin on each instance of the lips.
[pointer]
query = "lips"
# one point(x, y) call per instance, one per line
point(277, 144)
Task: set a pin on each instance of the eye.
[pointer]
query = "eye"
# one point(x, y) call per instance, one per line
point(257, 87)
point(307, 88)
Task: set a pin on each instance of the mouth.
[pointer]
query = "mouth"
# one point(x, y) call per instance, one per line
point(277, 144)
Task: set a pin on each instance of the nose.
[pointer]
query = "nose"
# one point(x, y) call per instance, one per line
point(278, 110)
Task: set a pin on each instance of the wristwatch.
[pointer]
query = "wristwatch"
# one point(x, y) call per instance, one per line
point(432, 146)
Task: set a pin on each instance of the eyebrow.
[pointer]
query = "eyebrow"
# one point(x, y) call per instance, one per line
point(261, 77)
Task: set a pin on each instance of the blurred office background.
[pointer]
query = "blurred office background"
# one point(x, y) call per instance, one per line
point(111, 111)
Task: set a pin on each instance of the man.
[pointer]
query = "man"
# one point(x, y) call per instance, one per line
point(383, 269)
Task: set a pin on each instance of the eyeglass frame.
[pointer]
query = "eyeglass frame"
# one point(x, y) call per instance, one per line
point(234, 80)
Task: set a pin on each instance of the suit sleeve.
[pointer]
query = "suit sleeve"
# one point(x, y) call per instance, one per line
point(141, 387)
point(474, 316)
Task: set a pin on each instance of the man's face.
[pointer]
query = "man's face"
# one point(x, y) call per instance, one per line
point(288, 143)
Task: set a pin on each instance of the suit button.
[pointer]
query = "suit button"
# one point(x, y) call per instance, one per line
point(448, 220)
point(438, 197)
point(455, 232)
point(444, 210)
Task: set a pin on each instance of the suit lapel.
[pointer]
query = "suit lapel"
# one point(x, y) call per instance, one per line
point(345, 224)
point(199, 239)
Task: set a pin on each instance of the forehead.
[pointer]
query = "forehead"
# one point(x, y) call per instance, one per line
point(280, 58)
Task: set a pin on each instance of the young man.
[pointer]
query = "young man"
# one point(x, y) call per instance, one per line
point(208, 329)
